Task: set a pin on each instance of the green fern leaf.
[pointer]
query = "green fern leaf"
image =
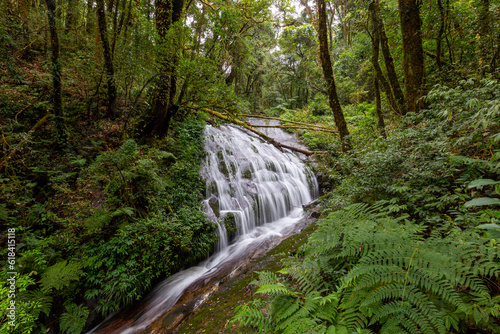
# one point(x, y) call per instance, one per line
point(60, 275)
point(74, 319)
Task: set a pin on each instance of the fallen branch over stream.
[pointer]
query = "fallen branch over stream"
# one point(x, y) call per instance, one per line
point(249, 127)
point(328, 129)
point(294, 127)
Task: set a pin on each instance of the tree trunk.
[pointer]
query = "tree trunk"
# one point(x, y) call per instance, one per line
point(484, 34)
point(326, 64)
point(56, 74)
point(70, 15)
point(439, 37)
point(389, 63)
point(377, 71)
point(108, 60)
point(413, 53)
point(88, 18)
point(167, 12)
point(378, 107)
point(376, 40)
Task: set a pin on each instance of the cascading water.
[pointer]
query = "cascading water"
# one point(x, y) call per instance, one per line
point(251, 182)
point(254, 192)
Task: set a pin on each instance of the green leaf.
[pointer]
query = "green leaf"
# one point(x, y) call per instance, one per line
point(482, 201)
point(74, 320)
point(60, 275)
point(481, 182)
point(488, 226)
point(494, 234)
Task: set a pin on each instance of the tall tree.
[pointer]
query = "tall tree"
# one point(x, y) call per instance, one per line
point(413, 53)
point(108, 59)
point(388, 61)
point(484, 33)
point(56, 73)
point(377, 73)
point(326, 65)
point(388, 89)
point(167, 13)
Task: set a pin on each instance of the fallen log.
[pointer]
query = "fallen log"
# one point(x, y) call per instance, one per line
point(260, 134)
point(294, 127)
point(291, 122)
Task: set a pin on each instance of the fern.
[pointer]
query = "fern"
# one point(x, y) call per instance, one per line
point(60, 275)
point(43, 301)
point(398, 281)
point(401, 278)
point(74, 319)
point(251, 316)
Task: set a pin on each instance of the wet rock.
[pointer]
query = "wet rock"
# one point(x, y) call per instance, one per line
point(213, 202)
point(229, 221)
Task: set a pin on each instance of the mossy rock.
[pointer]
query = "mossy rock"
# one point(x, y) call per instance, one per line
point(214, 205)
point(247, 174)
point(229, 222)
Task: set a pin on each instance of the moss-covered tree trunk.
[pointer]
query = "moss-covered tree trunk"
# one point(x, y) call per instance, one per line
point(108, 59)
point(56, 73)
point(413, 53)
point(326, 65)
point(167, 13)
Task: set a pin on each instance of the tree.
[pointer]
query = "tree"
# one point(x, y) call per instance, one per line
point(389, 63)
point(56, 73)
point(167, 13)
point(326, 65)
point(413, 53)
point(484, 33)
point(108, 59)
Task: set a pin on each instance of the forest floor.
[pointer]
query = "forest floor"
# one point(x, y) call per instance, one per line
point(214, 316)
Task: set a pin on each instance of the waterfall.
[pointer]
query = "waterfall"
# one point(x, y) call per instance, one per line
point(254, 192)
point(250, 183)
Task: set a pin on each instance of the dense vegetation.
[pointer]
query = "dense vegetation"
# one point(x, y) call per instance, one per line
point(103, 107)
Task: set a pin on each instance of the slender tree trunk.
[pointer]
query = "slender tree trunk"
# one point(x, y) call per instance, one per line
point(375, 55)
point(413, 53)
point(484, 34)
point(23, 13)
point(377, 71)
point(378, 107)
point(89, 17)
point(389, 62)
point(56, 74)
point(70, 15)
point(326, 64)
point(439, 37)
point(199, 30)
point(108, 60)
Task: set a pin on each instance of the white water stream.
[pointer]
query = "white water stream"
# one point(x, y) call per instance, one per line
point(258, 188)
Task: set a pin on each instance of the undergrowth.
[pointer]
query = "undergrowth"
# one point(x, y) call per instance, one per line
point(95, 234)
point(423, 257)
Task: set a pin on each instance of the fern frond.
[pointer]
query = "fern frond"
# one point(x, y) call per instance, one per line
point(276, 289)
point(60, 275)
point(74, 319)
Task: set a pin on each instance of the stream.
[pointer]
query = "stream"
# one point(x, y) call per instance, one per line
point(254, 194)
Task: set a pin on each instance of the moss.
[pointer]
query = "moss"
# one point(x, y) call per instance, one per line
point(229, 222)
point(247, 174)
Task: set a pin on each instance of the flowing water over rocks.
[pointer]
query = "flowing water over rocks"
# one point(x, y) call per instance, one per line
point(255, 194)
